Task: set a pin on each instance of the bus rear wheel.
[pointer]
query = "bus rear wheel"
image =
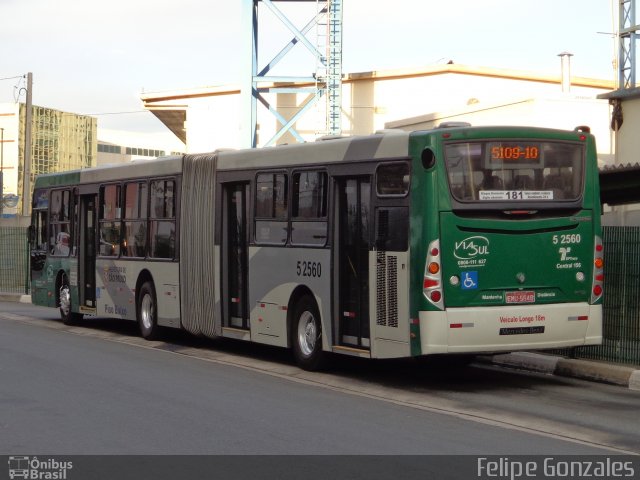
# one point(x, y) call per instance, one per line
point(64, 302)
point(307, 335)
point(147, 312)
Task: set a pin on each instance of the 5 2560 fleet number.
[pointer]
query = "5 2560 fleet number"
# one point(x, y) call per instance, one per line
point(308, 269)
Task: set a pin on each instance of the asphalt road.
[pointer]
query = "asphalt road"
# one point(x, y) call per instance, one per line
point(99, 389)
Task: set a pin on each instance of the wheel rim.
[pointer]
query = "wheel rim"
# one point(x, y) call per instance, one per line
point(65, 299)
point(146, 312)
point(307, 333)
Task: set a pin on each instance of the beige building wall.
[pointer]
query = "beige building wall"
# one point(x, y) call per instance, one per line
point(370, 100)
point(9, 122)
point(628, 140)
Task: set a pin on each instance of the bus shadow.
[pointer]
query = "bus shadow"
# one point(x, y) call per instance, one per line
point(428, 374)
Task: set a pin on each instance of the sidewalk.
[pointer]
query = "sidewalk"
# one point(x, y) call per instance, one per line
point(537, 362)
point(15, 297)
point(595, 371)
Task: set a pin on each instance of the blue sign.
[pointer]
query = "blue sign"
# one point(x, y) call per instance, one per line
point(469, 280)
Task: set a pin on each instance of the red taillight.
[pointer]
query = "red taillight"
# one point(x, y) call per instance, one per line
point(432, 283)
point(429, 283)
point(598, 273)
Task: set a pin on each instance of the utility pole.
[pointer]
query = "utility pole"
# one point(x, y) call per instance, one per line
point(26, 182)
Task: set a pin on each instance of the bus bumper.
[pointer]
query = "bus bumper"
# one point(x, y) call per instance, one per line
point(508, 329)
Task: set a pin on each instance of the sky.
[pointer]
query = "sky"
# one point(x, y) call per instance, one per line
point(97, 57)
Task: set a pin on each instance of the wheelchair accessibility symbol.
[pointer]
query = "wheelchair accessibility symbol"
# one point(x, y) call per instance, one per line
point(469, 281)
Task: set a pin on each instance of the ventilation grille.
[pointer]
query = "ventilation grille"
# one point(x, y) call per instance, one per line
point(381, 288)
point(392, 292)
point(386, 290)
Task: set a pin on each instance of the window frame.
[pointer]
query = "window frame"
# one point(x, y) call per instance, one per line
point(392, 164)
point(142, 217)
point(116, 220)
point(273, 222)
point(315, 229)
point(57, 224)
point(153, 220)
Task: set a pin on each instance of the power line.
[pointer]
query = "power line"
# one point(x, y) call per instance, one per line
point(12, 78)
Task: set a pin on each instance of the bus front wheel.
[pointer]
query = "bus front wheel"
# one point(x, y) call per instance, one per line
point(147, 310)
point(307, 335)
point(64, 302)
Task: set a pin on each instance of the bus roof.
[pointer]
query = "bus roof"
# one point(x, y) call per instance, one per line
point(377, 146)
point(104, 173)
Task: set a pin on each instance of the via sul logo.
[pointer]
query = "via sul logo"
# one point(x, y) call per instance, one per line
point(471, 247)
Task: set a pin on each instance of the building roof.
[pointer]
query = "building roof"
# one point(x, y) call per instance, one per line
point(170, 106)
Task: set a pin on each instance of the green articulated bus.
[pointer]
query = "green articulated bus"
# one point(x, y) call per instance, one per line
point(456, 240)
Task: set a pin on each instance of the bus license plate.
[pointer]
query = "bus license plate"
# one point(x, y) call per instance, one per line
point(520, 297)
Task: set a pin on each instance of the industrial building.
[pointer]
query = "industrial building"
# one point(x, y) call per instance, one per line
point(210, 117)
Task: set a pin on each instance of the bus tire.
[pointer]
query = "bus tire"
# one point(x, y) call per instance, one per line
point(147, 312)
point(64, 302)
point(307, 335)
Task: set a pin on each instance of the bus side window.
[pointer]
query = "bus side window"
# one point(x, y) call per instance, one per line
point(135, 220)
point(392, 229)
point(271, 209)
point(392, 180)
point(110, 214)
point(309, 209)
point(162, 219)
point(60, 223)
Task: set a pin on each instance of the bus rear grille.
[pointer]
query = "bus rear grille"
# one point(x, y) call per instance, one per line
point(386, 290)
point(392, 289)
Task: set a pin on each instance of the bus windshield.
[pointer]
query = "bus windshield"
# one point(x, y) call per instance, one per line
point(505, 171)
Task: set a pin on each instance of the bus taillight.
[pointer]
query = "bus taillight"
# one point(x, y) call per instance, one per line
point(432, 283)
point(598, 272)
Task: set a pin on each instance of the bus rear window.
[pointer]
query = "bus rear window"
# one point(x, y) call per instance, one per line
point(515, 171)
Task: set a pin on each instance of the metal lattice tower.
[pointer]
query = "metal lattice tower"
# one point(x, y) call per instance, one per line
point(627, 43)
point(325, 82)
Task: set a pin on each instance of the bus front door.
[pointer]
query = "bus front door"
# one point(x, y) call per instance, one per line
point(87, 253)
point(353, 197)
point(235, 240)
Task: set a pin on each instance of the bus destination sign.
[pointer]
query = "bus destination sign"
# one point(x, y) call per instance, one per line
point(512, 151)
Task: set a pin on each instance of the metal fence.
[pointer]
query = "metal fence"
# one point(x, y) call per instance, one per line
point(621, 309)
point(14, 260)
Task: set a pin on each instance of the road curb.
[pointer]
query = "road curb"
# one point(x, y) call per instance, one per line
point(568, 367)
point(537, 362)
point(15, 297)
